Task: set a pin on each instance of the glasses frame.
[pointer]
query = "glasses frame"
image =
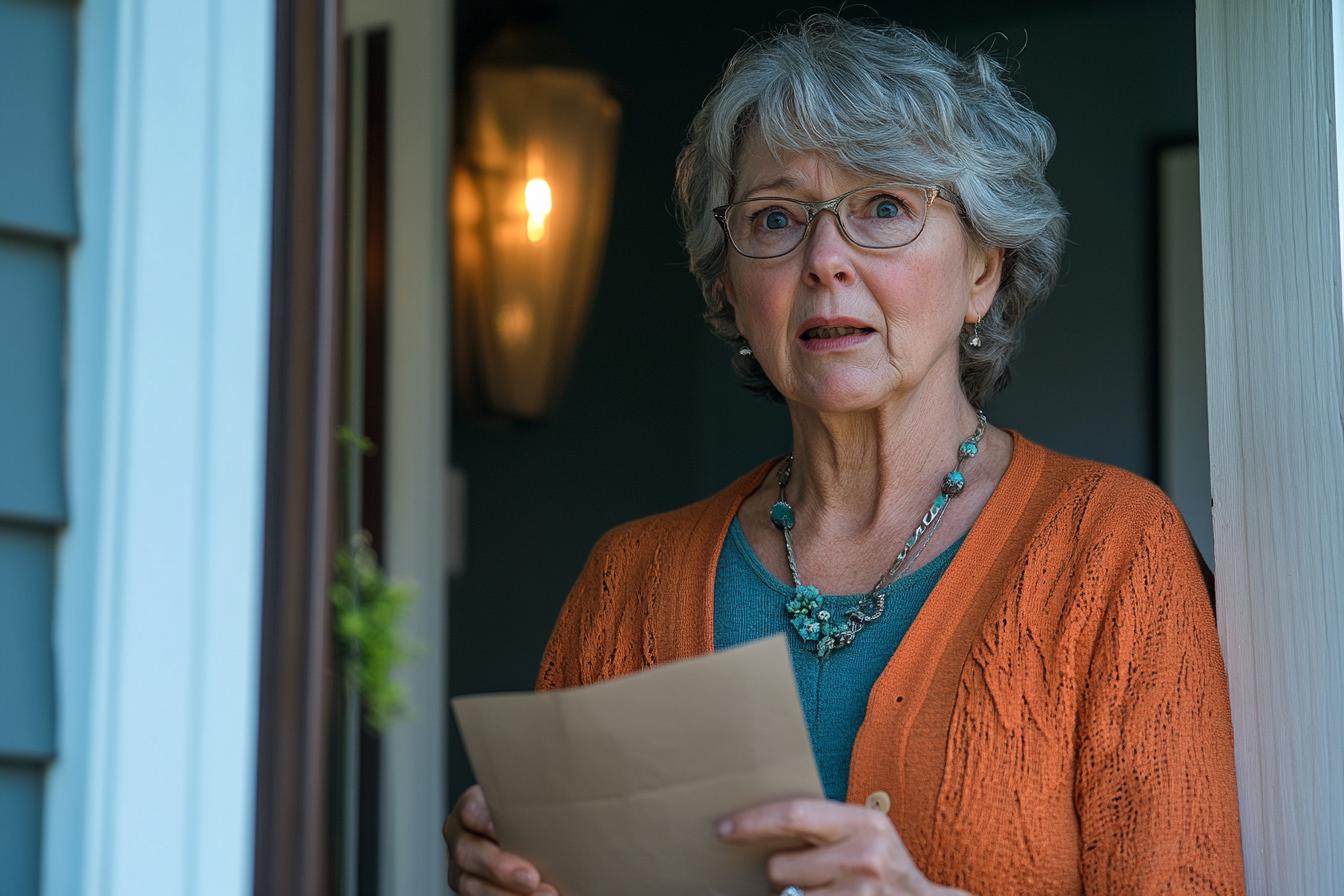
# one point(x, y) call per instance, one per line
point(831, 205)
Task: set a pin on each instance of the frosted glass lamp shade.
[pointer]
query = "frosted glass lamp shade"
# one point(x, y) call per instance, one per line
point(531, 201)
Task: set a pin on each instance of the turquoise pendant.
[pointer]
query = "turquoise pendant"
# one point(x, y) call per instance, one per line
point(813, 622)
point(823, 630)
point(803, 610)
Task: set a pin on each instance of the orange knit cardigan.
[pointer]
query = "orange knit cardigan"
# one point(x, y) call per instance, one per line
point(1056, 720)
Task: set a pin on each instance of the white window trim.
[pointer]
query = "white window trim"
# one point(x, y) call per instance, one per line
point(1274, 331)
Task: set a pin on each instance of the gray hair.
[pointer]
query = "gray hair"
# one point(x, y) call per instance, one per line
point(884, 100)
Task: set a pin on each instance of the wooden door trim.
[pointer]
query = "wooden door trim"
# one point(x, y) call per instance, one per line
point(296, 676)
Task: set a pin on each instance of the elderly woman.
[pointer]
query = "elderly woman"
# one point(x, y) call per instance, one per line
point(1006, 657)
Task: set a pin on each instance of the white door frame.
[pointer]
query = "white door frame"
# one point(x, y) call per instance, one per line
point(414, 767)
point(158, 599)
point(1274, 331)
point(1274, 321)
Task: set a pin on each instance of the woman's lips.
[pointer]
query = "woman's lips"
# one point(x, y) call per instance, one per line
point(832, 332)
point(833, 335)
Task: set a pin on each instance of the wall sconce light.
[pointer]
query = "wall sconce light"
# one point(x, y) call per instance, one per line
point(531, 200)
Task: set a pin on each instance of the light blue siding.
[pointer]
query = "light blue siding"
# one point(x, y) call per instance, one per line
point(32, 333)
point(20, 828)
point(37, 117)
point(27, 707)
point(37, 219)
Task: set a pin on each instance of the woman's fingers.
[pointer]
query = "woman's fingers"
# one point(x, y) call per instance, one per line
point(853, 850)
point(475, 814)
point(856, 858)
point(801, 869)
point(476, 863)
point(485, 859)
point(482, 858)
point(813, 821)
point(471, 885)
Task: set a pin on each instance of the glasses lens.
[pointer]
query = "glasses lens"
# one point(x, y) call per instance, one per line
point(764, 228)
point(884, 217)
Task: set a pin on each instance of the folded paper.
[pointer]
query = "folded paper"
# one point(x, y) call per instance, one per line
point(617, 788)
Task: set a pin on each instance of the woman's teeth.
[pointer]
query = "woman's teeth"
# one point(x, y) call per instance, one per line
point(832, 332)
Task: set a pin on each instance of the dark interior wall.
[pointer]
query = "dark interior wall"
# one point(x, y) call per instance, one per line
point(652, 417)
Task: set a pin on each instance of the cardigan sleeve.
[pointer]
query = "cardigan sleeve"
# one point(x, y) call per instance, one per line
point(603, 628)
point(562, 663)
point(1155, 785)
point(645, 595)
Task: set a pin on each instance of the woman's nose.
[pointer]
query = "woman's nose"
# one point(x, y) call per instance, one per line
point(828, 259)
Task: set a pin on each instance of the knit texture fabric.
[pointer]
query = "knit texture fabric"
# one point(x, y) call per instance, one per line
point(749, 604)
point(1056, 719)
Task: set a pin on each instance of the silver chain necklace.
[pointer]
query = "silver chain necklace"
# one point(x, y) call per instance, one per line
point(819, 628)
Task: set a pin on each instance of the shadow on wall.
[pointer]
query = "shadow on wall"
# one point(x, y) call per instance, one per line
point(652, 417)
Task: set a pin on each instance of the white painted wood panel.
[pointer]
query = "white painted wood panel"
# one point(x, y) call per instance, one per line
point(1275, 346)
point(415, 749)
point(160, 571)
point(1184, 387)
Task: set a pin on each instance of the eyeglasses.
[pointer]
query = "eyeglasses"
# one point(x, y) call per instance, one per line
point(883, 216)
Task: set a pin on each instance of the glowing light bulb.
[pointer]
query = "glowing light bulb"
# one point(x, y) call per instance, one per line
point(537, 200)
point(537, 197)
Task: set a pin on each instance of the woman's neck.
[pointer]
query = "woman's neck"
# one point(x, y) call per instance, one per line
point(856, 469)
point(860, 482)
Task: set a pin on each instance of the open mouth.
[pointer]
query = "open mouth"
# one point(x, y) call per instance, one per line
point(834, 332)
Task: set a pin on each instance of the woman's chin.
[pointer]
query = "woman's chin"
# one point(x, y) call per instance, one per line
point(843, 395)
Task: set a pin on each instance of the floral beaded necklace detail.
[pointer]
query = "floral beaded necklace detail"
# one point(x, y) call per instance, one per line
point(822, 632)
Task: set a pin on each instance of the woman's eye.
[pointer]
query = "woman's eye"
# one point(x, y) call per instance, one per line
point(887, 208)
point(777, 220)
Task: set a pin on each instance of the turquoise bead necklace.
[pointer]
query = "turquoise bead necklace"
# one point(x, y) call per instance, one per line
point(824, 632)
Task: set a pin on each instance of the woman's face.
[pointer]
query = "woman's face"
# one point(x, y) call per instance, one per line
point(840, 328)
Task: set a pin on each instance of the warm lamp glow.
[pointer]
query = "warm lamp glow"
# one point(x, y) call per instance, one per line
point(537, 201)
point(514, 323)
point(525, 271)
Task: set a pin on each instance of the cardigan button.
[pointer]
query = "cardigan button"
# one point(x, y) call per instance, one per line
point(878, 801)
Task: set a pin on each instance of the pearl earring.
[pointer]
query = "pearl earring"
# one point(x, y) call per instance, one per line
point(976, 341)
point(745, 350)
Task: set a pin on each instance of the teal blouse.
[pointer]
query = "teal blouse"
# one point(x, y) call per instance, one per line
point(749, 604)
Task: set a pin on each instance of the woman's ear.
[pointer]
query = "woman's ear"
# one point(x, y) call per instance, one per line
point(730, 300)
point(728, 295)
point(987, 269)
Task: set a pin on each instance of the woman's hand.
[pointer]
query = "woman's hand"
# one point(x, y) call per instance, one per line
point(477, 866)
point(853, 850)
